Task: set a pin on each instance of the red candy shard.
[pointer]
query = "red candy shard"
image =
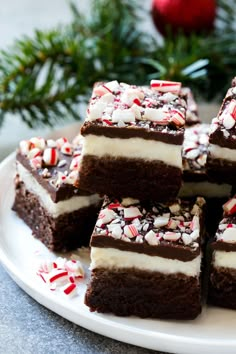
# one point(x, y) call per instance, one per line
point(230, 206)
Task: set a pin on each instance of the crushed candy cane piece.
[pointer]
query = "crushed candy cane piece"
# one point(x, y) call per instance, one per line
point(166, 86)
point(132, 213)
point(230, 206)
point(50, 156)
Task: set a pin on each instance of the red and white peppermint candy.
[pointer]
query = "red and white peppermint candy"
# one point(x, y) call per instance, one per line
point(101, 90)
point(60, 142)
point(34, 153)
point(36, 162)
point(130, 231)
point(171, 236)
point(231, 109)
point(25, 146)
point(67, 149)
point(230, 206)
point(152, 238)
point(132, 213)
point(166, 86)
point(75, 163)
point(177, 118)
point(38, 142)
point(105, 216)
point(114, 205)
point(46, 266)
point(61, 178)
point(74, 266)
point(58, 276)
point(70, 289)
point(50, 156)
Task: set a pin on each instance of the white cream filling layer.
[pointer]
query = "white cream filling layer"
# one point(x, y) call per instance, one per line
point(133, 148)
point(224, 259)
point(205, 189)
point(111, 258)
point(224, 153)
point(54, 209)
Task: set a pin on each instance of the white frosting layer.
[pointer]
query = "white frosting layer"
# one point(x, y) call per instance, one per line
point(113, 258)
point(225, 259)
point(224, 153)
point(54, 209)
point(133, 148)
point(205, 189)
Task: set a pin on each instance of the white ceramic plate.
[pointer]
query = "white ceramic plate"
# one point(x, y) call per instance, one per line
point(212, 332)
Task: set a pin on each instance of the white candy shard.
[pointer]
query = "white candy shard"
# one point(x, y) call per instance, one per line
point(165, 86)
point(105, 216)
point(161, 221)
point(151, 238)
point(228, 121)
point(131, 213)
point(172, 236)
point(96, 110)
point(116, 231)
point(124, 115)
point(187, 239)
point(229, 235)
point(157, 115)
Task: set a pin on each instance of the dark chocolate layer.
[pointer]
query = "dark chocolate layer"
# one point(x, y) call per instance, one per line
point(221, 171)
point(222, 287)
point(164, 250)
point(170, 136)
point(127, 292)
point(218, 138)
point(64, 191)
point(134, 178)
point(63, 233)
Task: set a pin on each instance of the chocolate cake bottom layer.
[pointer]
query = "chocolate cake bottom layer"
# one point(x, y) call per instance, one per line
point(221, 171)
point(222, 287)
point(127, 292)
point(135, 178)
point(64, 233)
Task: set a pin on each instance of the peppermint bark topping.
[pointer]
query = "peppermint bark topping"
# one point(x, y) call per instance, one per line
point(119, 104)
point(152, 223)
point(55, 159)
point(195, 147)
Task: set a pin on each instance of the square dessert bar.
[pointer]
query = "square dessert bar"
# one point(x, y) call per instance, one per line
point(47, 196)
point(192, 116)
point(132, 141)
point(146, 259)
point(221, 161)
point(196, 180)
point(222, 280)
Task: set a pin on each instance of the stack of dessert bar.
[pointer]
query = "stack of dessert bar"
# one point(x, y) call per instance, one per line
point(146, 151)
point(146, 245)
point(221, 165)
point(48, 197)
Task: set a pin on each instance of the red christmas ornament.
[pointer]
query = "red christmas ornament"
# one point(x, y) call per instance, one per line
point(188, 15)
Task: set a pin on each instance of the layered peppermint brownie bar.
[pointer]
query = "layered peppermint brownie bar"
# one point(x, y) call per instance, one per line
point(132, 141)
point(196, 180)
point(221, 161)
point(61, 215)
point(146, 259)
point(192, 116)
point(222, 282)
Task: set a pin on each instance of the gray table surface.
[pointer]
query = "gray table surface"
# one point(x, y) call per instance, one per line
point(26, 327)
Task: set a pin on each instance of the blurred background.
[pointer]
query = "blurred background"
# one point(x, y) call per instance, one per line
point(53, 51)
